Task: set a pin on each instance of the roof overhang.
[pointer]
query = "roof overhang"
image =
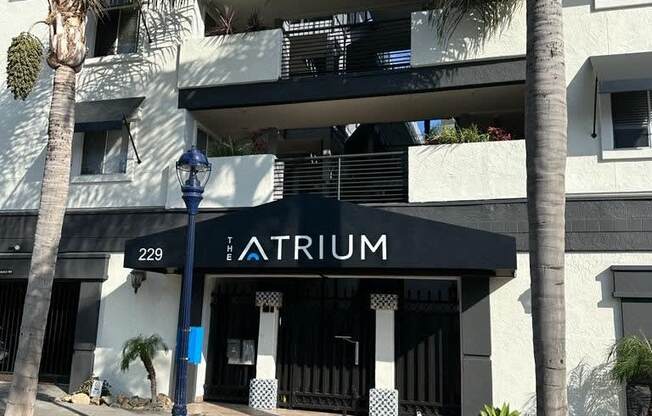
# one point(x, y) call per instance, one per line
point(623, 72)
point(106, 114)
point(309, 234)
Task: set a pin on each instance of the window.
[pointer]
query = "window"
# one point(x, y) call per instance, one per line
point(117, 31)
point(104, 153)
point(202, 140)
point(631, 113)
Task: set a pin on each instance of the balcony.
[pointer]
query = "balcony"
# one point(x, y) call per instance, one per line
point(361, 178)
point(320, 48)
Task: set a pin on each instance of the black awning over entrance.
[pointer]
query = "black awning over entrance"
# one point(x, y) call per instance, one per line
point(310, 234)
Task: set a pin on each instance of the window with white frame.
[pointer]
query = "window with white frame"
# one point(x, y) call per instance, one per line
point(117, 30)
point(104, 152)
point(631, 114)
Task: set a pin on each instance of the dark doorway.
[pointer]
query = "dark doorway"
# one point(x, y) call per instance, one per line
point(234, 322)
point(428, 349)
point(59, 332)
point(321, 322)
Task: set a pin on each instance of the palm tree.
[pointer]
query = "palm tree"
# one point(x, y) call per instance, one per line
point(66, 53)
point(146, 349)
point(67, 50)
point(546, 122)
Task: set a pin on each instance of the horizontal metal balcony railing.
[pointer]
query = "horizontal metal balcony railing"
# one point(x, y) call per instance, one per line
point(317, 48)
point(362, 178)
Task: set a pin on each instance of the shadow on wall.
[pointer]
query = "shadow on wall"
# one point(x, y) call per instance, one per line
point(470, 35)
point(125, 314)
point(591, 392)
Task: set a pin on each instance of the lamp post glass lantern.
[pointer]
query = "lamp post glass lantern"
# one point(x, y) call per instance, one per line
point(193, 172)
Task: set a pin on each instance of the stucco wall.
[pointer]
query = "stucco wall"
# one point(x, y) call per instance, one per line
point(125, 314)
point(232, 59)
point(593, 322)
point(158, 132)
point(468, 42)
point(236, 181)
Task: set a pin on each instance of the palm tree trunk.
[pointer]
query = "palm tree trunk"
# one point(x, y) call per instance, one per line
point(151, 375)
point(54, 197)
point(546, 123)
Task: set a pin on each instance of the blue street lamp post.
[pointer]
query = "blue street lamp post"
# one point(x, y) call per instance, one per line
point(193, 171)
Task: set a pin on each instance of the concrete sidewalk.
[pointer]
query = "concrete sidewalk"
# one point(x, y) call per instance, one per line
point(46, 406)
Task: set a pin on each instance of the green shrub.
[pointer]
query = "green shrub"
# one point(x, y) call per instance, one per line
point(452, 135)
point(631, 359)
point(489, 410)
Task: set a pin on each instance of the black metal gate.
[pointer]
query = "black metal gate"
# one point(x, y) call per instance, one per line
point(59, 332)
point(428, 349)
point(234, 319)
point(322, 321)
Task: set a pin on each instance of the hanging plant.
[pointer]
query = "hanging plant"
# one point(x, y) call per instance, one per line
point(24, 62)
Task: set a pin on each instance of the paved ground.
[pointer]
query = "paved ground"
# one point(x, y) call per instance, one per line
point(46, 406)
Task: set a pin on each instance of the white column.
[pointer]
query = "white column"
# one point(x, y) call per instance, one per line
point(383, 398)
point(384, 349)
point(263, 391)
point(267, 342)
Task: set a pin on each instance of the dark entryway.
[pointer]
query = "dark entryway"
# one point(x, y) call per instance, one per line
point(428, 348)
point(321, 322)
point(234, 319)
point(59, 333)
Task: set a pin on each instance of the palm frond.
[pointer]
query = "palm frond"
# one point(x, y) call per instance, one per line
point(95, 6)
point(631, 359)
point(137, 347)
point(446, 15)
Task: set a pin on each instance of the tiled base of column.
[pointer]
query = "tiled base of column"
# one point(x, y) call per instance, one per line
point(383, 402)
point(263, 393)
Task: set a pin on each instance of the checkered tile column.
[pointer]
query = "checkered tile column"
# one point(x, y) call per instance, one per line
point(263, 393)
point(263, 390)
point(383, 398)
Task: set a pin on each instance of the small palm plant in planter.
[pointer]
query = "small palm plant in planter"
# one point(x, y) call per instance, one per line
point(145, 349)
point(631, 359)
point(489, 410)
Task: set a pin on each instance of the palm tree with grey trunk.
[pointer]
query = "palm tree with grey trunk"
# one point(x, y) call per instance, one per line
point(66, 21)
point(546, 123)
point(67, 49)
point(145, 349)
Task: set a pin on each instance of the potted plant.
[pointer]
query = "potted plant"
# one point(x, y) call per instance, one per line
point(145, 349)
point(631, 359)
point(489, 410)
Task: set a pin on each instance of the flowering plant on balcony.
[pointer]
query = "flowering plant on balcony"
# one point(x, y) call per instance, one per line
point(471, 134)
point(497, 134)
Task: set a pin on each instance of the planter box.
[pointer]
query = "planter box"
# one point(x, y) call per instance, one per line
point(236, 181)
point(467, 171)
point(231, 59)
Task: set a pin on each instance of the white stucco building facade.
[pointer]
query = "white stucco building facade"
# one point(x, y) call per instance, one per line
point(302, 110)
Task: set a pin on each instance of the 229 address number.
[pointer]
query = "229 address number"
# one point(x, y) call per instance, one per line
point(150, 254)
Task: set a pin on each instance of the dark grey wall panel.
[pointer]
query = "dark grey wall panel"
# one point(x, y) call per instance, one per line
point(476, 323)
point(476, 345)
point(476, 384)
point(591, 225)
point(636, 317)
point(632, 284)
point(80, 266)
point(337, 87)
point(88, 314)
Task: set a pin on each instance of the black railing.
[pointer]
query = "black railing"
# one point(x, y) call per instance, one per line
point(363, 178)
point(317, 48)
